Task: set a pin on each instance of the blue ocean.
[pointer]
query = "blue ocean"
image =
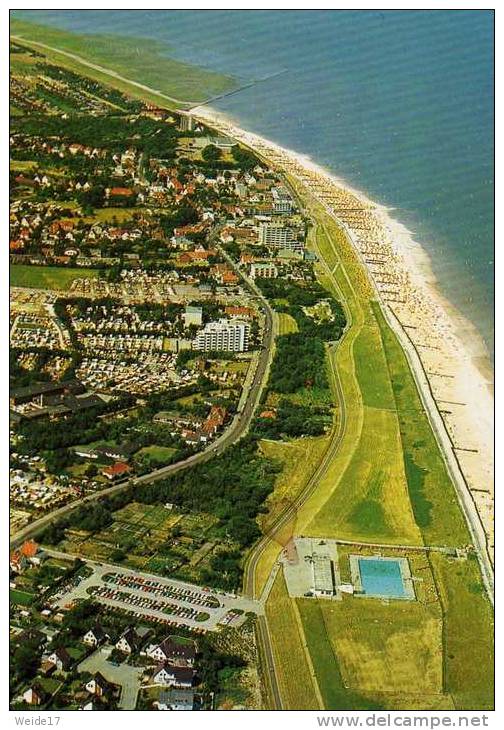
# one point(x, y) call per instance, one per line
point(397, 103)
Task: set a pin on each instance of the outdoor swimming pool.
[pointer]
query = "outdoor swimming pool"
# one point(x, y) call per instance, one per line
point(385, 578)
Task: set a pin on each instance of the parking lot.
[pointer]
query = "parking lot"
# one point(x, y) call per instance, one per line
point(160, 599)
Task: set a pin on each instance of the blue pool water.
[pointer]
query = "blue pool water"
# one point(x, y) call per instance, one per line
point(382, 578)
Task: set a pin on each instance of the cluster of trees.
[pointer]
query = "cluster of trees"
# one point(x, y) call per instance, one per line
point(224, 571)
point(183, 215)
point(79, 427)
point(304, 294)
point(299, 363)
point(292, 420)
point(214, 666)
point(211, 153)
point(25, 658)
point(232, 486)
point(92, 517)
point(245, 159)
point(114, 132)
point(19, 377)
point(299, 360)
point(328, 329)
point(81, 82)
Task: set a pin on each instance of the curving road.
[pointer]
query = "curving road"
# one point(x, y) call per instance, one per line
point(233, 433)
point(263, 636)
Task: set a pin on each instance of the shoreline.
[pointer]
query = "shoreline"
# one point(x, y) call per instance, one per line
point(452, 354)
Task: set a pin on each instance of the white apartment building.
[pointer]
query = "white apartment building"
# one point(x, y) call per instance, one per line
point(275, 235)
point(282, 201)
point(224, 335)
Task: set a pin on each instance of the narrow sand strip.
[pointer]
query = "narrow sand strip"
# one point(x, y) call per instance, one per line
point(443, 345)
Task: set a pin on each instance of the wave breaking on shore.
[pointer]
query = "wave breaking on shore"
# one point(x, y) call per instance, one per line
point(453, 355)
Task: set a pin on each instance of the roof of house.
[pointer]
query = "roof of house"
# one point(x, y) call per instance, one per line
point(172, 646)
point(63, 655)
point(180, 674)
point(175, 696)
point(116, 469)
point(103, 683)
point(121, 191)
point(29, 549)
point(130, 635)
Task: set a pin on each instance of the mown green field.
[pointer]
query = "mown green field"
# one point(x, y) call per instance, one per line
point(468, 635)
point(387, 482)
point(371, 501)
point(157, 453)
point(371, 367)
point(330, 681)
point(286, 324)
point(136, 59)
point(48, 277)
point(292, 668)
point(21, 598)
point(433, 498)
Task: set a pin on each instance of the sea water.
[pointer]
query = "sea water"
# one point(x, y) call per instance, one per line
point(397, 103)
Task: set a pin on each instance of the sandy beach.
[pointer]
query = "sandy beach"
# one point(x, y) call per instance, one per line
point(446, 352)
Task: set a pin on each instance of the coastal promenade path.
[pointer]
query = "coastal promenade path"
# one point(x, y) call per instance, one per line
point(465, 499)
point(256, 555)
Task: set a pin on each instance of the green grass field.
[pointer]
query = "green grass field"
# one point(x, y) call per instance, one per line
point(21, 598)
point(468, 633)
point(376, 650)
point(48, 277)
point(292, 668)
point(371, 367)
point(135, 59)
point(432, 493)
point(157, 453)
point(50, 684)
point(330, 681)
point(371, 501)
point(286, 324)
point(23, 165)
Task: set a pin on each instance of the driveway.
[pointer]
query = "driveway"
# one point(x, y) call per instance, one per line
point(125, 675)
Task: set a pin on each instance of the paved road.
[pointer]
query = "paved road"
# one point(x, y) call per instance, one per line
point(268, 663)
point(126, 675)
point(104, 70)
point(464, 496)
point(233, 433)
point(226, 601)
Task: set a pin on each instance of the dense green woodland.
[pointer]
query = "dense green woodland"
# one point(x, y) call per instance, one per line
point(300, 357)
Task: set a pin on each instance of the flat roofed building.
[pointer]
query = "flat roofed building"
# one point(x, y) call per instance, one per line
point(264, 270)
point(273, 234)
point(323, 576)
point(224, 335)
point(186, 123)
point(223, 143)
point(282, 201)
point(193, 315)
